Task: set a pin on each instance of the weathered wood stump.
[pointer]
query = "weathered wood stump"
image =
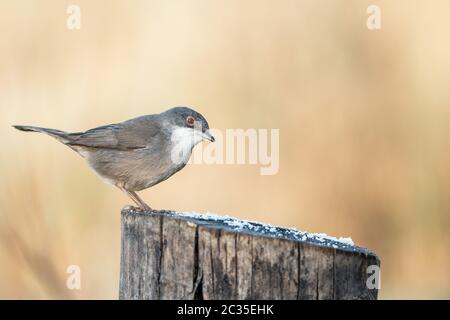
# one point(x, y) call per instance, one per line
point(166, 255)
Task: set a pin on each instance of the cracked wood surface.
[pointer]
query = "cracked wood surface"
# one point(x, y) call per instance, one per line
point(170, 256)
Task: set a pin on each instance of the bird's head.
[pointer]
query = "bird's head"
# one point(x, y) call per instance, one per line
point(186, 124)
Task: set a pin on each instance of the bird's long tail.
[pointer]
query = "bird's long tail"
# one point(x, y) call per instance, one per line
point(59, 135)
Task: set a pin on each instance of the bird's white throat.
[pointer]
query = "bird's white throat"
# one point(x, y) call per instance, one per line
point(183, 140)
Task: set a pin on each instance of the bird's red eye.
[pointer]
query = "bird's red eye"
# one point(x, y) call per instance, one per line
point(190, 121)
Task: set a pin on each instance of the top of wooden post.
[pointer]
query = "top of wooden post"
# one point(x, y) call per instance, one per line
point(169, 255)
point(258, 229)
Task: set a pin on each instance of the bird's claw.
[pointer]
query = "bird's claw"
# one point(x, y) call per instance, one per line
point(138, 209)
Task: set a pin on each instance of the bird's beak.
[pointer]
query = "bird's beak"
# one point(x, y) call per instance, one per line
point(208, 136)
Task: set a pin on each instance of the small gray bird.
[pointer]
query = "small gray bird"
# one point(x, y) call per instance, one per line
point(136, 154)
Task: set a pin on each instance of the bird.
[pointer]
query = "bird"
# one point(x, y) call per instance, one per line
point(138, 153)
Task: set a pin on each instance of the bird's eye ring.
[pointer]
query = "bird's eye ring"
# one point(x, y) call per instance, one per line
point(190, 121)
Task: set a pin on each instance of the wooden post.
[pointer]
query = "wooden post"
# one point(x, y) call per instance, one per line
point(166, 255)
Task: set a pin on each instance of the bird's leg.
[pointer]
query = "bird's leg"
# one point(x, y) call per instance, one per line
point(126, 192)
point(133, 196)
point(141, 202)
point(136, 199)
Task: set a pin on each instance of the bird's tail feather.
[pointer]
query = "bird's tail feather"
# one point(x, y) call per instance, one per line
point(59, 135)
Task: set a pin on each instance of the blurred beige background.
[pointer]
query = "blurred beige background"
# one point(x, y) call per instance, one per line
point(364, 120)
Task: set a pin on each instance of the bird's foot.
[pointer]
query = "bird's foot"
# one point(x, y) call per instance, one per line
point(138, 209)
point(145, 208)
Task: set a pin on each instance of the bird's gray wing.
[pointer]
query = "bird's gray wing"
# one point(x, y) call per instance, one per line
point(129, 135)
